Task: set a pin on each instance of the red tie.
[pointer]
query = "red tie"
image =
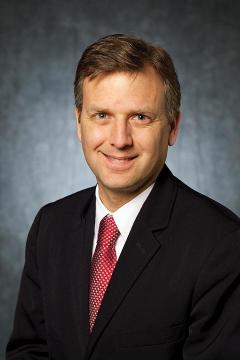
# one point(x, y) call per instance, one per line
point(103, 264)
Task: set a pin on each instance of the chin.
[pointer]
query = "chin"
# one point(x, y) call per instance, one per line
point(123, 187)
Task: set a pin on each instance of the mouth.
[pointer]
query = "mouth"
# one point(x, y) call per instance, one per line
point(119, 162)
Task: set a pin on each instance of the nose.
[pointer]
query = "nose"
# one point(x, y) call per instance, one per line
point(121, 135)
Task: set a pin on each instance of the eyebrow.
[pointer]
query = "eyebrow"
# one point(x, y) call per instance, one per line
point(143, 111)
point(97, 109)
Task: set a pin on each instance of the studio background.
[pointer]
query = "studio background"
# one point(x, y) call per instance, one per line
point(41, 159)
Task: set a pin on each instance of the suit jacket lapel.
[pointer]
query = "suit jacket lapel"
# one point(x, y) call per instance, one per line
point(142, 244)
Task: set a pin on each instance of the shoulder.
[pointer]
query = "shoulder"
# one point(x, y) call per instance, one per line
point(79, 199)
point(202, 209)
point(69, 207)
point(203, 230)
point(203, 225)
point(57, 218)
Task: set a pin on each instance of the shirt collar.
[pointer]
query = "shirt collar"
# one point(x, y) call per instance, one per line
point(125, 216)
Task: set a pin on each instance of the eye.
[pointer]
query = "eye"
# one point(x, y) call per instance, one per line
point(101, 115)
point(141, 117)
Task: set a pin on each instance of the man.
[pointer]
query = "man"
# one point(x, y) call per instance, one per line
point(140, 267)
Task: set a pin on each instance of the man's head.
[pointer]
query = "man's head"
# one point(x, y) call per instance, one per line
point(127, 108)
point(120, 52)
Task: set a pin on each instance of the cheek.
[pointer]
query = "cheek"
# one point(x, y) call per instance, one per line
point(154, 143)
point(92, 137)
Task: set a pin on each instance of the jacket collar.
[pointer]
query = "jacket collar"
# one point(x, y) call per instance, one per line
point(157, 210)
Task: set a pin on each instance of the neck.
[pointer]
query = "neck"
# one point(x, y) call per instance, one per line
point(113, 200)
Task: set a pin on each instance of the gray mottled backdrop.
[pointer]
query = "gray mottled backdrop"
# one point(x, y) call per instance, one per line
point(41, 160)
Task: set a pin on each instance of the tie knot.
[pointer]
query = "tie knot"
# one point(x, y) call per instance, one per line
point(108, 230)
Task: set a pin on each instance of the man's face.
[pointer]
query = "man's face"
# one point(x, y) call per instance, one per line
point(124, 130)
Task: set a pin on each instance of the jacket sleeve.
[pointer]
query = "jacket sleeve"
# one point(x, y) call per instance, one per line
point(28, 339)
point(214, 324)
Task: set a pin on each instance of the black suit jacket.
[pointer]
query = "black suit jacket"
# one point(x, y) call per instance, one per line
point(174, 294)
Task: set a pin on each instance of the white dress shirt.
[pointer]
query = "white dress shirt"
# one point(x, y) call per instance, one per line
point(124, 217)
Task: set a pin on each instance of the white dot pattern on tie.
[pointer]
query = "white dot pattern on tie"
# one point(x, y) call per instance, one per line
point(103, 264)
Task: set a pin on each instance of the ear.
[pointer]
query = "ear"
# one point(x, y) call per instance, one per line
point(175, 126)
point(78, 123)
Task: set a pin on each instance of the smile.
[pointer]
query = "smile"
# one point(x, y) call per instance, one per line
point(119, 162)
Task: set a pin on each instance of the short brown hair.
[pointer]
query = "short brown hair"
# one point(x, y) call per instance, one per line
point(120, 52)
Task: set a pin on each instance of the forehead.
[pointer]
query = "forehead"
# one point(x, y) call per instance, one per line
point(123, 87)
